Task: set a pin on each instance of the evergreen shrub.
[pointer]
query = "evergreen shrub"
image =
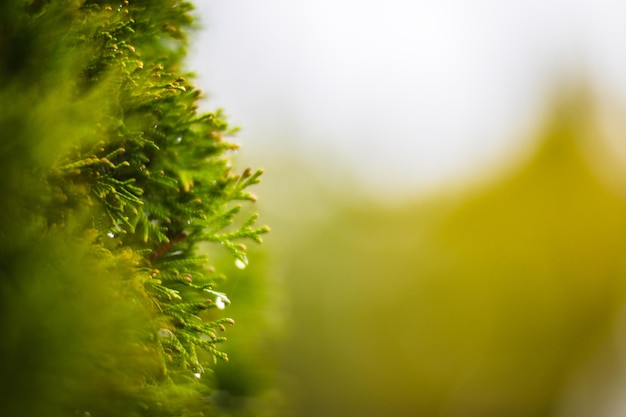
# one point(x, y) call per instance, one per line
point(112, 181)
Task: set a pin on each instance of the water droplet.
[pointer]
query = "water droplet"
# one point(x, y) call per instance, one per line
point(242, 262)
point(199, 370)
point(221, 302)
point(166, 333)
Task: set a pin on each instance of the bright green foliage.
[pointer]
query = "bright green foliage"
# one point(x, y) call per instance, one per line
point(112, 180)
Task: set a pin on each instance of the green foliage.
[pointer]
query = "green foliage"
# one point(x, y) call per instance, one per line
point(112, 182)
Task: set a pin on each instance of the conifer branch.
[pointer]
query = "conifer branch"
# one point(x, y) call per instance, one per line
point(147, 176)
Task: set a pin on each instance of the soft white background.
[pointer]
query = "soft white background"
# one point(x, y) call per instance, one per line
point(402, 93)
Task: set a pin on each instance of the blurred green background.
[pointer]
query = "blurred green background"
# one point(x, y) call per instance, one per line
point(501, 296)
point(447, 197)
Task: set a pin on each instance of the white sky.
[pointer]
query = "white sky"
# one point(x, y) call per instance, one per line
point(404, 93)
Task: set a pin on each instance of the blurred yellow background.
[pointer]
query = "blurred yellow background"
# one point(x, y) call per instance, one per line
point(463, 259)
point(502, 296)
